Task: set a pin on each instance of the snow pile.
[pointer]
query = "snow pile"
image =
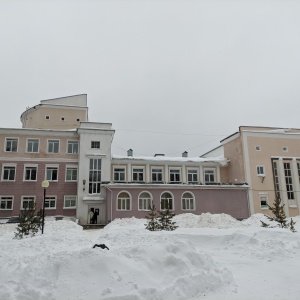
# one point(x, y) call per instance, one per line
point(255, 220)
point(193, 262)
point(206, 220)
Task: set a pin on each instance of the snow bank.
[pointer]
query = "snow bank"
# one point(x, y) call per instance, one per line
point(196, 261)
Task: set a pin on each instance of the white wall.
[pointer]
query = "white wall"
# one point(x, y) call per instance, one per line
point(86, 153)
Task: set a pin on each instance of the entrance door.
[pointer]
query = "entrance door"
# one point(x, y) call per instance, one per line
point(96, 217)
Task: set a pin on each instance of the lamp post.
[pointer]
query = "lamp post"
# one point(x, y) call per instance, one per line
point(44, 185)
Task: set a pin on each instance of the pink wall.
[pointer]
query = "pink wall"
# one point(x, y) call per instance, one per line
point(229, 201)
point(20, 188)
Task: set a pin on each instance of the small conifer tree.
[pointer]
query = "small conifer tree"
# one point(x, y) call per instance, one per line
point(291, 224)
point(152, 224)
point(29, 222)
point(278, 212)
point(166, 216)
point(279, 216)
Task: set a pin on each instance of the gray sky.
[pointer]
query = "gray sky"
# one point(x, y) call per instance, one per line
point(169, 75)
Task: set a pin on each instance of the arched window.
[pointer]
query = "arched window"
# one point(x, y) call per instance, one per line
point(166, 201)
point(145, 200)
point(188, 201)
point(123, 201)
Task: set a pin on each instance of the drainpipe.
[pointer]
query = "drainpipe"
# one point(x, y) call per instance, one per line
point(110, 203)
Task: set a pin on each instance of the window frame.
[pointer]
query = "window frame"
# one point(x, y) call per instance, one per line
point(50, 198)
point(71, 167)
point(92, 183)
point(214, 174)
point(124, 200)
point(119, 172)
point(24, 173)
point(93, 143)
point(289, 185)
point(51, 167)
point(27, 145)
point(9, 166)
point(70, 207)
point(196, 173)
point(11, 139)
point(189, 201)
point(53, 142)
point(177, 169)
point(156, 173)
point(6, 198)
point(258, 170)
point(22, 201)
point(150, 199)
point(261, 196)
point(138, 168)
point(72, 142)
point(172, 201)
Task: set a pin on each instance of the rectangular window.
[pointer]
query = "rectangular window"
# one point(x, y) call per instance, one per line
point(166, 203)
point(70, 202)
point(27, 202)
point(11, 145)
point(95, 144)
point(119, 174)
point(53, 146)
point(209, 175)
point(263, 201)
point(71, 174)
point(72, 147)
point(137, 174)
point(123, 204)
point(260, 170)
point(51, 173)
point(188, 204)
point(95, 176)
point(8, 173)
point(289, 183)
point(33, 145)
point(192, 175)
point(276, 179)
point(157, 175)
point(30, 173)
point(50, 202)
point(6, 203)
point(174, 175)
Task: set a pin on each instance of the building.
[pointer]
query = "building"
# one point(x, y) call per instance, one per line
point(268, 159)
point(57, 143)
point(193, 185)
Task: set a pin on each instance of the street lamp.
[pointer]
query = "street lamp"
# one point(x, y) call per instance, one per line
point(44, 185)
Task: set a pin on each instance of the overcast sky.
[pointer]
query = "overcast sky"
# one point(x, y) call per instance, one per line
point(169, 75)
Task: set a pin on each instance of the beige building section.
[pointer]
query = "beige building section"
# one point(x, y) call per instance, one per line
point(253, 152)
point(58, 114)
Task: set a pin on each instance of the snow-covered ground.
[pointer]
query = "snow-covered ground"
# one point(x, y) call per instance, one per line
point(208, 257)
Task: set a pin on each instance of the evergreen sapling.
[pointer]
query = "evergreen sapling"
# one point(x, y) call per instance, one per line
point(166, 216)
point(29, 222)
point(152, 224)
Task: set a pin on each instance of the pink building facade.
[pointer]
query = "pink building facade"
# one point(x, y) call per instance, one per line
point(58, 144)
